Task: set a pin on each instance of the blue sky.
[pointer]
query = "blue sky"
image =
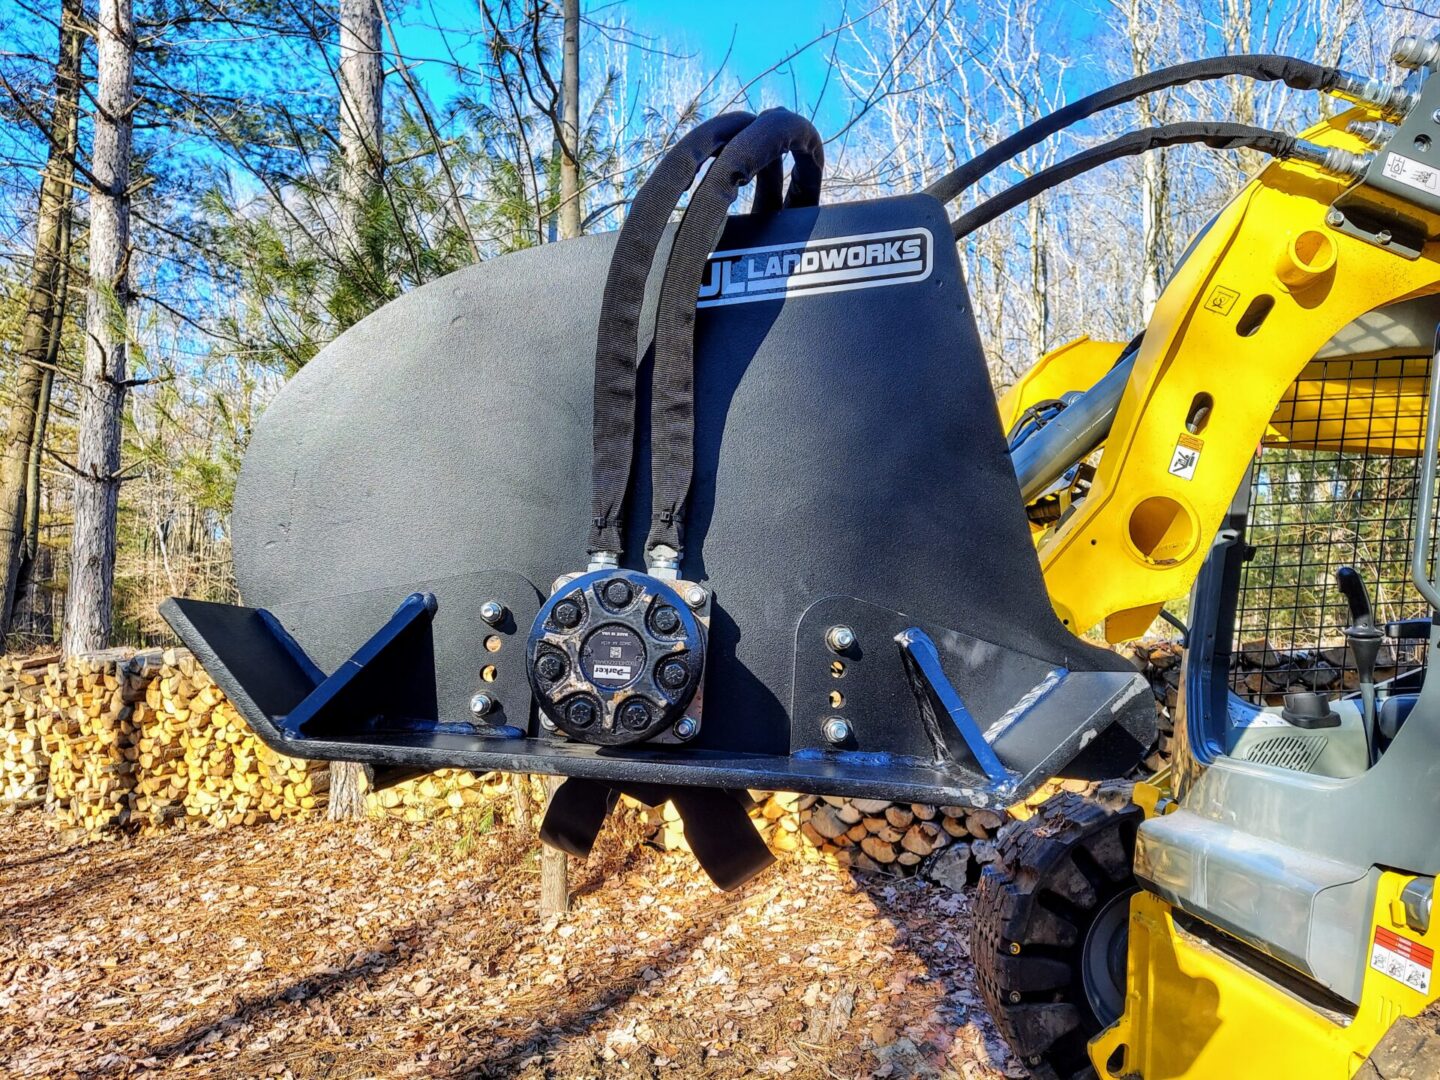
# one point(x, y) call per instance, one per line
point(756, 34)
point(763, 31)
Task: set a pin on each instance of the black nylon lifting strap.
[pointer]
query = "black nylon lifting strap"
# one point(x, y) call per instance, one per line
point(672, 412)
point(617, 342)
point(717, 828)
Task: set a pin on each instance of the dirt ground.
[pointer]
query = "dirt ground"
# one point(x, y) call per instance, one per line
point(306, 949)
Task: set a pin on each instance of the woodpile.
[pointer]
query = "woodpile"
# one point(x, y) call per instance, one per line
point(25, 747)
point(91, 725)
point(148, 740)
point(119, 739)
point(206, 760)
point(1265, 671)
point(441, 794)
point(871, 835)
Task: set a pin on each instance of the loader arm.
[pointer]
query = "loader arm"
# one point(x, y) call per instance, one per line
point(1265, 287)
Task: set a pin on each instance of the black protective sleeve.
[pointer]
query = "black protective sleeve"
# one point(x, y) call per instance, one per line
point(617, 342)
point(1216, 136)
point(1295, 73)
point(775, 133)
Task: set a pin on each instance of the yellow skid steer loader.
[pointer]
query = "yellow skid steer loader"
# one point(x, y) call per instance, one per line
point(844, 572)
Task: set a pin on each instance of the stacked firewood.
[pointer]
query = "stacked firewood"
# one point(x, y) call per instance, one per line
point(206, 759)
point(91, 724)
point(1159, 662)
point(444, 793)
point(141, 739)
point(868, 834)
point(1265, 671)
point(24, 747)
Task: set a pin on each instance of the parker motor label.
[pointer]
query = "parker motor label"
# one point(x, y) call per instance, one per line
point(838, 264)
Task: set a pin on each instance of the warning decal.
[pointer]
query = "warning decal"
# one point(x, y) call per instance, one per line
point(1221, 300)
point(1412, 173)
point(1403, 960)
point(1186, 456)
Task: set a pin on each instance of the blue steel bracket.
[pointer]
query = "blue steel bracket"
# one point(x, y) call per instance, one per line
point(954, 733)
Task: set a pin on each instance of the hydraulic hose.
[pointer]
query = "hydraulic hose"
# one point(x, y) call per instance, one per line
point(774, 133)
point(617, 342)
point(1215, 135)
point(1295, 73)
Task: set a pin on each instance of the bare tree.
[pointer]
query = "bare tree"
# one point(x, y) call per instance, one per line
point(45, 305)
point(89, 599)
point(554, 883)
point(361, 150)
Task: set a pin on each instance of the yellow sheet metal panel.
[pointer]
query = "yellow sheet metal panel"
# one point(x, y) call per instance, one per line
point(1076, 365)
point(1192, 1013)
point(1355, 406)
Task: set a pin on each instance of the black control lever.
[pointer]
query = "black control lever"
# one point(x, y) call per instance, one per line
point(1364, 639)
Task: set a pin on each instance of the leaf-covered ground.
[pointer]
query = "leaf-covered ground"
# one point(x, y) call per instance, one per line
point(308, 949)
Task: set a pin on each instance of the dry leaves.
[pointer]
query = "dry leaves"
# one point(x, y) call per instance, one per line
point(307, 949)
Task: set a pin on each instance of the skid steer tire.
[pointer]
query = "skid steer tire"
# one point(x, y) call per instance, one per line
point(1410, 1050)
point(1058, 878)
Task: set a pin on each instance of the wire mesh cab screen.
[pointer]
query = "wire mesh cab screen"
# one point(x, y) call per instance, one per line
point(1334, 484)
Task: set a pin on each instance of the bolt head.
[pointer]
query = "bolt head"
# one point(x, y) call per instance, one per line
point(836, 730)
point(492, 611)
point(618, 592)
point(566, 614)
point(840, 638)
point(1334, 219)
point(1435, 116)
point(695, 596)
point(685, 728)
point(581, 713)
point(1384, 236)
point(550, 666)
point(665, 619)
point(482, 704)
point(674, 674)
point(635, 714)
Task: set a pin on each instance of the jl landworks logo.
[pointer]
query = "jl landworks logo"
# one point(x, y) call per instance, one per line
point(747, 275)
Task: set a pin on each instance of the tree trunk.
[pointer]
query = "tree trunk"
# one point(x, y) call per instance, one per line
point(362, 128)
point(88, 601)
point(570, 201)
point(554, 868)
point(44, 312)
point(554, 883)
point(361, 112)
point(349, 781)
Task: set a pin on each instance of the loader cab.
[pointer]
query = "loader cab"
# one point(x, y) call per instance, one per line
point(1333, 485)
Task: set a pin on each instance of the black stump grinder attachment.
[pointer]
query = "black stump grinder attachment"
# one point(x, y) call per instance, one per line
point(840, 593)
